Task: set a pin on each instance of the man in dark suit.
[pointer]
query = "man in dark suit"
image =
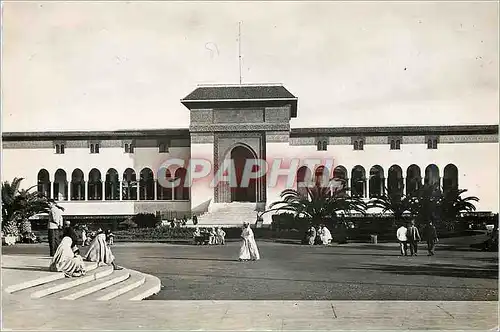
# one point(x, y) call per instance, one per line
point(430, 236)
point(413, 236)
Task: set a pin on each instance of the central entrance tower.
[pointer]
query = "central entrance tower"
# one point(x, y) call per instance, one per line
point(235, 122)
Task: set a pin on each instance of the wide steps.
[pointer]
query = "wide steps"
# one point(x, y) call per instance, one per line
point(66, 283)
point(52, 277)
point(135, 280)
point(151, 286)
point(91, 287)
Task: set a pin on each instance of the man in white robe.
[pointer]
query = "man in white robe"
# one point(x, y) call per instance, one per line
point(326, 236)
point(248, 249)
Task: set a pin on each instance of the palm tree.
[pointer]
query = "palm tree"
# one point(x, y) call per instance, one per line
point(318, 204)
point(18, 205)
point(423, 203)
point(452, 204)
point(395, 203)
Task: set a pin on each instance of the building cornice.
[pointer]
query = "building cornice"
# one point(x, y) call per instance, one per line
point(92, 135)
point(294, 132)
point(396, 130)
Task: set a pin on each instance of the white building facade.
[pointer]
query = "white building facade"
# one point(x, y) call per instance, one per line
point(116, 172)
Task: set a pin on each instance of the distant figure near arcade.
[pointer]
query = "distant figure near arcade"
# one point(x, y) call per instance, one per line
point(413, 236)
point(248, 249)
point(430, 236)
point(403, 239)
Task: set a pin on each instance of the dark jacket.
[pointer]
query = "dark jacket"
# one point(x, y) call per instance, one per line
point(415, 236)
point(430, 232)
point(70, 232)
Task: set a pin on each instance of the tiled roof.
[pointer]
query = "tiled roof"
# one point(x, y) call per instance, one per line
point(239, 92)
point(235, 96)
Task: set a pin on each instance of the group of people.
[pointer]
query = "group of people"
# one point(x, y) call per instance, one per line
point(410, 237)
point(318, 235)
point(64, 249)
point(210, 236)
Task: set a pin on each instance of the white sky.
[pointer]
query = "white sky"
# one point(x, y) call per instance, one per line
point(124, 65)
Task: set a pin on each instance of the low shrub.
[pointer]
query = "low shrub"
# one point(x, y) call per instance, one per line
point(158, 233)
point(146, 220)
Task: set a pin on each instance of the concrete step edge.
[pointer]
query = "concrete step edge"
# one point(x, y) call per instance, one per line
point(151, 286)
point(107, 270)
point(115, 280)
point(125, 289)
point(44, 280)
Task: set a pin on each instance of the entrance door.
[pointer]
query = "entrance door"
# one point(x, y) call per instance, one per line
point(240, 193)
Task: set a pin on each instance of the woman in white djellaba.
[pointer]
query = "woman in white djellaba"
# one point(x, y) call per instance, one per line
point(248, 249)
point(326, 236)
point(66, 260)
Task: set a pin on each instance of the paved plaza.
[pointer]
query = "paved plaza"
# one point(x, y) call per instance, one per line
point(294, 272)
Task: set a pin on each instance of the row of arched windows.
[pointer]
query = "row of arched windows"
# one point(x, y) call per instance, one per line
point(377, 183)
point(127, 188)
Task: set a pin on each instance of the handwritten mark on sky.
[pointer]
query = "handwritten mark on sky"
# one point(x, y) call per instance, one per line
point(212, 47)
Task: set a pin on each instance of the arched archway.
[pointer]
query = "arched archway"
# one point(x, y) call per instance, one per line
point(43, 183)
point(321, 176)
point(432, 176)
point(413, 179)
point(377, 185)
point(340, 179)
point(146, 185)
point(395, 181)
point(241, 192)
point(112, 186)
point(60, 185)
point(181, 191)
point(77, 185)
point(450, 178)
point(95, 185)
point(303, 180)
point(129, 185)
point(358, 181)
point(165, 193)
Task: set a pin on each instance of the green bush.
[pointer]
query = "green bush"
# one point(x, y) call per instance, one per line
point(128, 223)
point(146, 220)
point(158, 233)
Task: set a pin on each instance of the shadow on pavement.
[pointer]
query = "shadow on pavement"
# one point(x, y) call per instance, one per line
point(321, 281)
point(442, 270)
point(195, 259)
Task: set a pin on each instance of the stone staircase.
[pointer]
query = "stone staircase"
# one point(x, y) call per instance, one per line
point(228, 214)
point(101, 283)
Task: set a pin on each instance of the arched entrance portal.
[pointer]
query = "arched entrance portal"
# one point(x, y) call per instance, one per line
point(243, 192)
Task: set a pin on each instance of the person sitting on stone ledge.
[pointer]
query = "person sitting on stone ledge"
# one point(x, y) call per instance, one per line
point(100, 252)
point(213, 236)
point(221, 236)
point(197, 236)
point(66, 261)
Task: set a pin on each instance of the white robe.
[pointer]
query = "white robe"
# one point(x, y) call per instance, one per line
point(326, 236)
point(66, 261)
point(248, 249)
point(99, 251)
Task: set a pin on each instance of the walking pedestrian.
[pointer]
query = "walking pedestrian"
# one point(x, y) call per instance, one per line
point(403, 240)
point(413, 236)
point(431, 238)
